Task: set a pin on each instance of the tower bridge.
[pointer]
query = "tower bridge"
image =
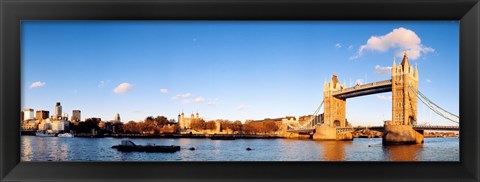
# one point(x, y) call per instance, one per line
point(381, 128)
point(400, 129)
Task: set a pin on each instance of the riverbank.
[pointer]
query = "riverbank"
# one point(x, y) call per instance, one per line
point(244, 136)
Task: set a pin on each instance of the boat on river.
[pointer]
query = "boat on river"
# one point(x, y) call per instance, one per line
point(65, 135)
point(129, 146)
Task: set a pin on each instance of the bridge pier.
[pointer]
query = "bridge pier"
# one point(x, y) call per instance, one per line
point(329, 133)
point(401, 134)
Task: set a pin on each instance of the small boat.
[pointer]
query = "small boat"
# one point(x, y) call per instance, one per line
point(222, 137)
point(65, 135)
point(43, 133)
point(129, 146)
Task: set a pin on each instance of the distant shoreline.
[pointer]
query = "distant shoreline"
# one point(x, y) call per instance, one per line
point(245, 136)
point(237, 136)
point(176, 135)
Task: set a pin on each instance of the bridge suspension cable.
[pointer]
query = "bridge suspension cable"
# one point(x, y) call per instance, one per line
point(434, 107)
point(309, 124)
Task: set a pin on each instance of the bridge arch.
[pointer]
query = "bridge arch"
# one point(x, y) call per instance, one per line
point(336, 124)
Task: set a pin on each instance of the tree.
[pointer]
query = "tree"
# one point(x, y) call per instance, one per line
point(225, 125)
point(248, 128)
point(117, 127)
point(198, 124)
point(161, 120)
point(210, 125)
point(259, 127)
point(149, 125)
point(87, 126)
point(131, 127)
point(176, 128)
point(145, 127)
point(237, 126)
point(149, 119)
point(269, 126)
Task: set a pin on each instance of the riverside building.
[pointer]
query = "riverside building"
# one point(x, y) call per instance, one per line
point(28, 114)
point(58, 111)
point(76, 116)
point(186, 123)
point(40, 115)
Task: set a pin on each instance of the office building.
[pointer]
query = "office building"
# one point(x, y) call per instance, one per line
point(40, 115)
point(58, 111)
point(117, 118)
point(76, 116)
point(28, 114)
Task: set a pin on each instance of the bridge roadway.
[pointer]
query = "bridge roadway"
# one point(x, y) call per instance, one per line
point(418, 127)
point(380, 128)
point(365, 89)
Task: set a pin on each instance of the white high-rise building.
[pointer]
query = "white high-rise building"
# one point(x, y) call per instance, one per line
point(117, 118)
point(28, 114)
point(64, 116)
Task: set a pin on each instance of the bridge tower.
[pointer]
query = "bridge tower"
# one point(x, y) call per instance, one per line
point(334, 114)
point(334, 108)
point(404, 106)
point(404, 100)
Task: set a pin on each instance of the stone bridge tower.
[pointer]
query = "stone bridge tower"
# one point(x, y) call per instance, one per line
point(404, 100)
point(334, 108)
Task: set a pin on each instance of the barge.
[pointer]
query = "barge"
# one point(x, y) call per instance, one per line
point(222, 137)
point(129, 146)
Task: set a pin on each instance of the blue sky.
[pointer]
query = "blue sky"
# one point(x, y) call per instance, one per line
point(231, 70)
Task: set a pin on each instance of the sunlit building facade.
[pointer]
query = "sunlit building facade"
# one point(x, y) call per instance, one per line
point(40, 115)
point(58, 111)
point(76, 116)
point(28, 114)
point(186, 123)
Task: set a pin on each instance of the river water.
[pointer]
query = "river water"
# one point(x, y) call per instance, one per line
point(361, 149)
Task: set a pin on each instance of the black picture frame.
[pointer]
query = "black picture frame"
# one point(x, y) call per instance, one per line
point(12, 12)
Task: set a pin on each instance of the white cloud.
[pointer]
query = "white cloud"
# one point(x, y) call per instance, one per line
point(428, 81)
point(384, 97)
point(400, 39)
point(163, 90)
point(241, 107)
point(350, 47)
point(213, 102)
point(198, 100)
point(338, 46)
point(181, 96)
point(122, 88)
point(37, 84)
point(185, 98)
point(383, 70)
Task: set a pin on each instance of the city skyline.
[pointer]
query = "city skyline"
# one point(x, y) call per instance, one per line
point(230, 70)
